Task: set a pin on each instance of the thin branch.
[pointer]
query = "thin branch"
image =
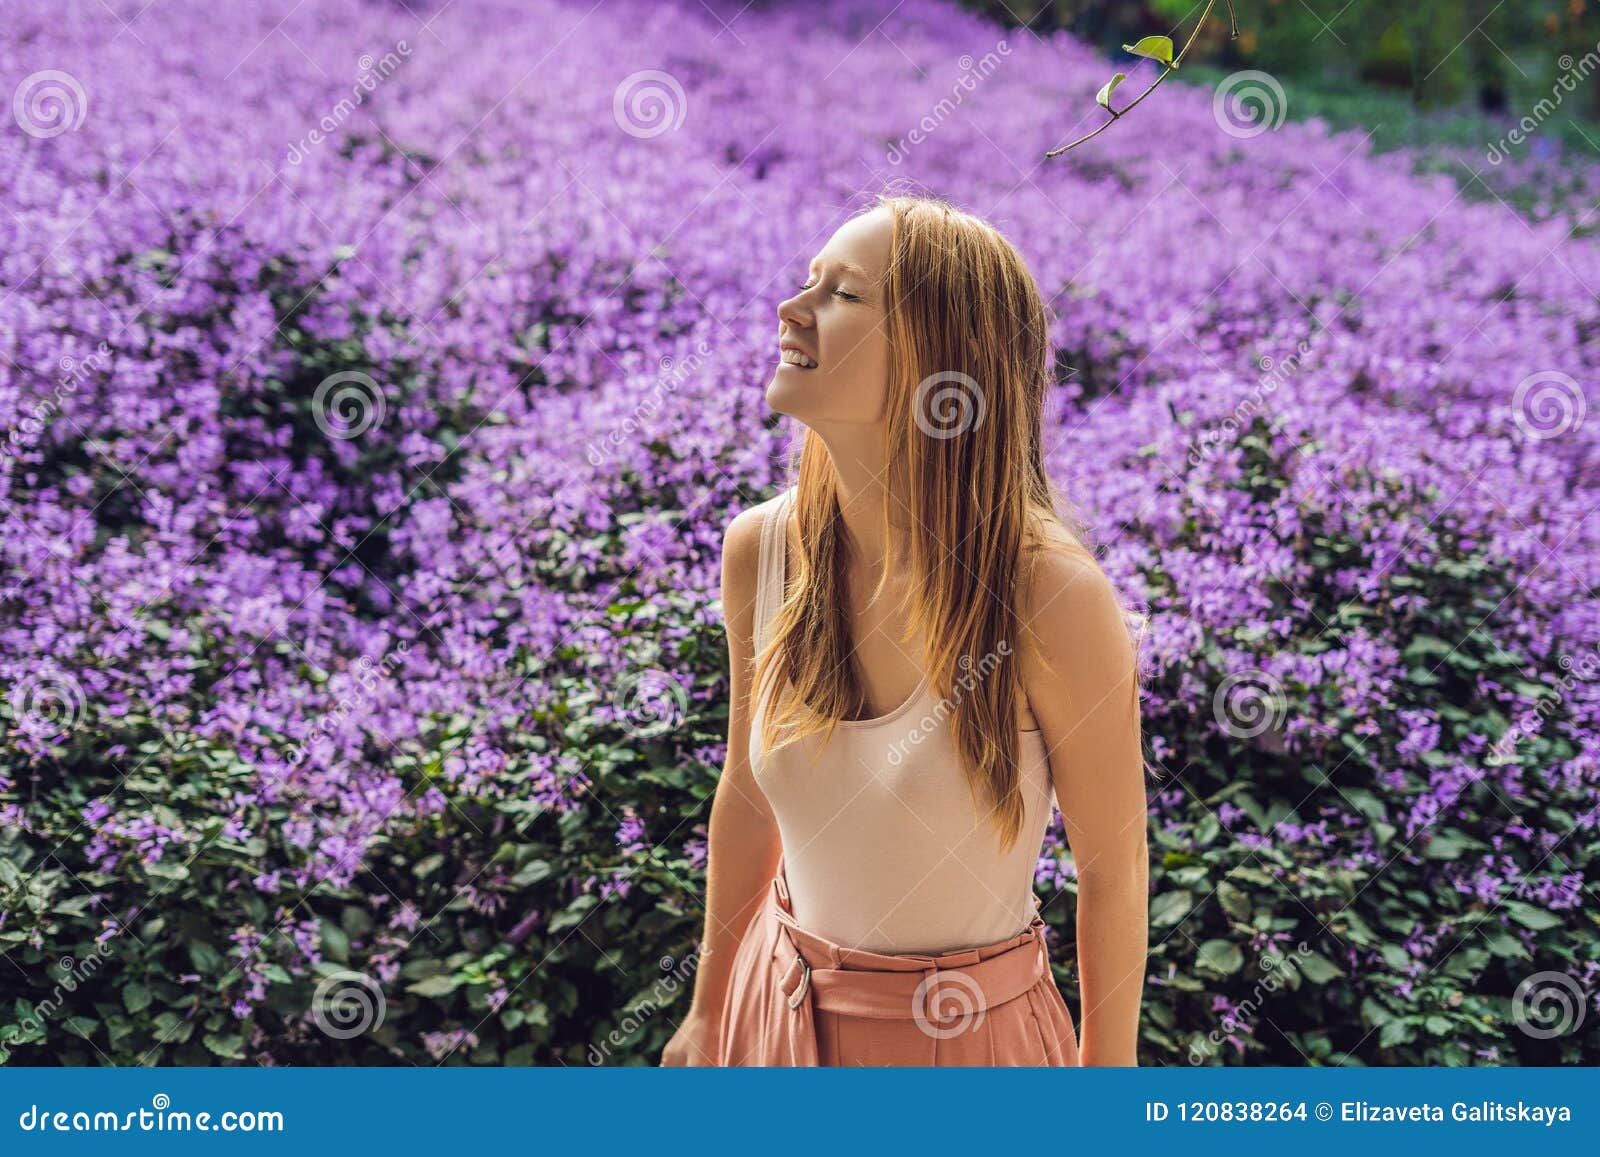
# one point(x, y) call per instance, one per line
point(1167, 69)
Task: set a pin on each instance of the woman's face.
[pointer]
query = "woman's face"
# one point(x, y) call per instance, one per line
point(837, 321)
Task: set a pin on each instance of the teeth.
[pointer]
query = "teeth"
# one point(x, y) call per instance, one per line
point(796, 358)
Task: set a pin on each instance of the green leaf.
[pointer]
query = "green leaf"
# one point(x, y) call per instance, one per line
point(1504, 945)
point(1424, 647)
point(1354, 927)
point(1221, 956)
point(335, 944)
point(1170, 907)
point(1235, 901)
point(531, 873)
point(355, 921)
point(135, 996)
point(1154, 48)
point(170, 1028)
point(1367, 804)
point(167, 870)
point(1394, 1033)
point(1528, 916)
point(435, 986)
point(1103, 97)
point(230, 1045)
point(206, 959)
point(1318, 969)
point(1251, 876)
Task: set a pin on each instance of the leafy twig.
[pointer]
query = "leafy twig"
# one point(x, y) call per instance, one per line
point(1158, 49)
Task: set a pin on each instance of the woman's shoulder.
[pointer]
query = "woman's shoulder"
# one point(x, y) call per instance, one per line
point(1066, 602)
point(742, 536)
point(1054, 553)
point(741, 561)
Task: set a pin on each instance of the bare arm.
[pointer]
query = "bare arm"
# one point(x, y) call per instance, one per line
point(1083, 693)
point(743, 844)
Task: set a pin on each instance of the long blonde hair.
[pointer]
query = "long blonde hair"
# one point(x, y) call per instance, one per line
point(968, 336)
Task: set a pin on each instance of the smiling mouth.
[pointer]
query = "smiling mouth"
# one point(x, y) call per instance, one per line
point(795, 361)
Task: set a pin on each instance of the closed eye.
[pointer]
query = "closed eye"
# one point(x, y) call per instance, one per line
point(837, 292)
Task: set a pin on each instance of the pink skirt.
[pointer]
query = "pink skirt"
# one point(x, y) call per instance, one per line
point(797, 999)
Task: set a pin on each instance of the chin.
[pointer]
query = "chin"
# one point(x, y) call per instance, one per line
point(778, 398)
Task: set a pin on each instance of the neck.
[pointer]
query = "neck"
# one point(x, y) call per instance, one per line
point(859, 463)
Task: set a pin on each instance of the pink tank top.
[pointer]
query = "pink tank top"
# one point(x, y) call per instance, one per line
point(883, 846)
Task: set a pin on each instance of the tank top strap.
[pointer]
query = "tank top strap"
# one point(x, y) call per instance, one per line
point(769, 587)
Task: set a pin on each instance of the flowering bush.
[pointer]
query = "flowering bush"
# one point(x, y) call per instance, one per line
point(379, 384)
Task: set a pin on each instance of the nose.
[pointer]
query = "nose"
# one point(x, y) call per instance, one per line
point(793, 312)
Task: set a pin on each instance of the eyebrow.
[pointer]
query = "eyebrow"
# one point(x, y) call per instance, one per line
point(850, 267)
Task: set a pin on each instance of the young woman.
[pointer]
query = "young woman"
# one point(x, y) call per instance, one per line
point(924, 660)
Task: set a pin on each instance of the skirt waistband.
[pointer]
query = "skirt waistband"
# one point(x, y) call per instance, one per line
point(815, 971)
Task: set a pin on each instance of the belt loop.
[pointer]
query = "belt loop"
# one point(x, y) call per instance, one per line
point(780, 883)
point(799, 994)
